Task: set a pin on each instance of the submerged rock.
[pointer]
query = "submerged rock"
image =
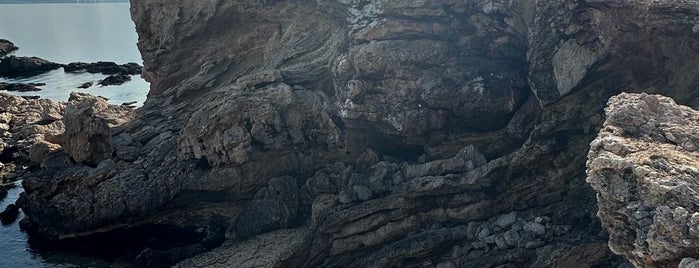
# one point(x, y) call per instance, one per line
point(644, 166)
point(88, 136)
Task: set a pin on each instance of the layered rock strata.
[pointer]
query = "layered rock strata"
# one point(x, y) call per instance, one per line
point(399, 133)
point(645, 167)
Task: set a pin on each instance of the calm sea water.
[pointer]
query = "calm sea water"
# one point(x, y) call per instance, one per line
point(67, 33)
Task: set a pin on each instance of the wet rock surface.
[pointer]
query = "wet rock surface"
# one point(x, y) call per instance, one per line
point(397, 133)
point(103, 67)
point(113, 80)
point(645, 167)
point(21, 87)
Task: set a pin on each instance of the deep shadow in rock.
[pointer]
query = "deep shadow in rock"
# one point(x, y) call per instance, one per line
point(143, 246)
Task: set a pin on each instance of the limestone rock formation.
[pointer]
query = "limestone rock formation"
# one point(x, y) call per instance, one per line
point(88, 137)
point(644, 166)
point(29, 130)
point(412, 130)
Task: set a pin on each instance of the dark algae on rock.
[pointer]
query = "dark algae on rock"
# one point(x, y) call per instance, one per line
point(362, 133)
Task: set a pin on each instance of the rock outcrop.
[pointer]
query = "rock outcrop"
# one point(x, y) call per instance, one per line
point(88, 122)
point(25, 126)
point(31, 130)
point(114, 80)
point(645, 167)
point(103, 67)
point(21, 87)
point(416, 133)
point(6, 47)
point(12, 66)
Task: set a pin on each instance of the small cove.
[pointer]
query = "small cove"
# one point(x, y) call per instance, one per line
point(65, 33)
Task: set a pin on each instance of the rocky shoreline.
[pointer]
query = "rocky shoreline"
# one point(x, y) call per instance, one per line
point(383, 134)
point(13, 66)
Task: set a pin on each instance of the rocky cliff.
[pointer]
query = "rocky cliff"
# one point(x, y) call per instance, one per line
point(645, 167)
point(386, 133)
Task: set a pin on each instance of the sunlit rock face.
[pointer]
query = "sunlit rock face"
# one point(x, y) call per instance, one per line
point(645, 167)
point(398, 133)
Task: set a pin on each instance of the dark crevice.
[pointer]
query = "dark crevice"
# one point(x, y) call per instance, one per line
point(123, 242)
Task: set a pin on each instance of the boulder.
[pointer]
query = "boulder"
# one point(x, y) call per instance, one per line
point(87, 138)
point(39, 151)
point(88, 121)
point(644, 166)
point(85, 85)
point(115, 80)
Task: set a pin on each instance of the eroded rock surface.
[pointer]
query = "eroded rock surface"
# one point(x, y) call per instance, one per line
point(412, 130)
point(645, 167)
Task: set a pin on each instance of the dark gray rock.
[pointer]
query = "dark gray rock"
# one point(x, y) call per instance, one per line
point(85, 85)
point(88, 138)
point(272, 208)
point(13, 66)
point(10, 214)
point(20, 87)
point(476, 109)
point(107, 68)
point(115, 80)
point(6, 47)
point(535, 228)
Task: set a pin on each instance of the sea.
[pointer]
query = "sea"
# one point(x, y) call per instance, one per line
point(64, 33)
point(74, 32)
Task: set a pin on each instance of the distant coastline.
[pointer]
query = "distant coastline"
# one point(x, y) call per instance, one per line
point(58, 1)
